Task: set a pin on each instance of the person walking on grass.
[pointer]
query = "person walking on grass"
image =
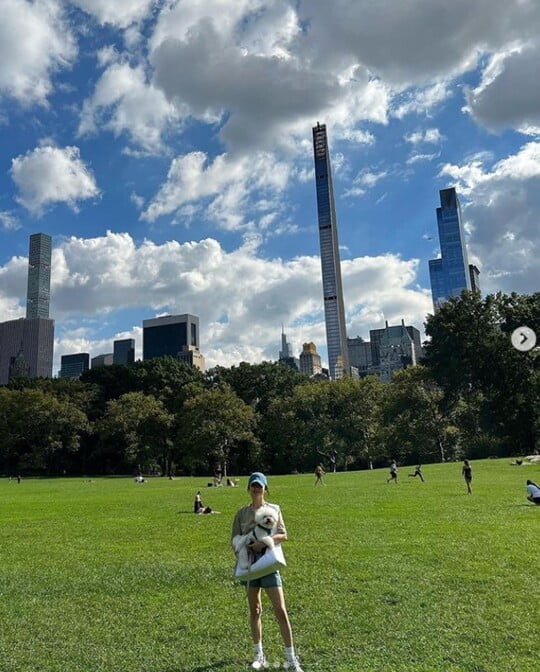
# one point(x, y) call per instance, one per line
point(533, 492)
point(244, 522)
point(466, 472)
point(418, 472)
point(393, 473)
point(319, 473)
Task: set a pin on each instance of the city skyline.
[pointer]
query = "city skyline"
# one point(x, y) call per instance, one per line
point(167, 150)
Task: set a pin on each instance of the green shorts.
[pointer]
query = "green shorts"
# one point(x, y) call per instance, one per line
point(269, 581)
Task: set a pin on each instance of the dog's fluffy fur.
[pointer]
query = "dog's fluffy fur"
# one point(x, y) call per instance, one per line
point(265, 519)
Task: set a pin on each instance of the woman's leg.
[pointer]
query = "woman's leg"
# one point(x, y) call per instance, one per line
point(255, 611)
point(278, 603)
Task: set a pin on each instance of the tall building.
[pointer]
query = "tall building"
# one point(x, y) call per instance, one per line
point(27, 344)
point(39, 276)
point(169, 334)
point(334, 311)
point(286, 356)
point(394, 348)
point(474, 275)
point(191, 355)
point(360, 355)
point(124, 351)
point(449, 275)
point(102, 360)
point(73, 366)
point(310, 360)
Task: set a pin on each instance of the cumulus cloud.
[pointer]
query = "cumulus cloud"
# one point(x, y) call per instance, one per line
point(123, 102)
point(416, 157)
point(35, 42)
point(48, 175)
point(429, 135)
point(509, 94)
point(229, 186)
point(120, 13)
point(502, 217)
point(9, 221)
point(241, 298)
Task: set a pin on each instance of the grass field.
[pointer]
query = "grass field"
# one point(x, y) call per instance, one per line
point(110, 576)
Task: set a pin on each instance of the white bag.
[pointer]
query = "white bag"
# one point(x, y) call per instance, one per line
point(269, 563)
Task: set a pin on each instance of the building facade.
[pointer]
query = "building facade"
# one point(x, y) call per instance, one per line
point(310, 360)
point(124, 351)
point(39, 276)
point(449, 275)
point(286, 356)
point(102, 360)
point(334, 311)
point(474, 275)
point(73, 366)
point(360, 355)
point(397, 350)
point(34, 338)
point(191, 355)
point(167, 335)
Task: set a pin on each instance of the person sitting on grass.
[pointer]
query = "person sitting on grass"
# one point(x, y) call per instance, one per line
point(533, 492)
point(199, 507)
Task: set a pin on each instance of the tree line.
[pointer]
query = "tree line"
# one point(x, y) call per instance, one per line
point(473, 395)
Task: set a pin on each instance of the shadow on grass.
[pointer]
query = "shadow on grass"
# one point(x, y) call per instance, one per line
point(203, 668)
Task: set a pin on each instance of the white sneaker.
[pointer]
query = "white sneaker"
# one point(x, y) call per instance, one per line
point(294, 666)
point(260, 663)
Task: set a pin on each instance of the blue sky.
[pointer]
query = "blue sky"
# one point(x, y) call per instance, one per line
point(166, 147)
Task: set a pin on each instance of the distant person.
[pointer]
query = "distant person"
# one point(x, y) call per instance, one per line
point(19, 478)
point(231, 483)
point(198, 506)
point(139, 479)
point(466, 472)
point(533, 493)
point(393, 472)
point(319, 475)
point(418, 472)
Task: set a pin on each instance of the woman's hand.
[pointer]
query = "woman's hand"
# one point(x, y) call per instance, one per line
point(257, 546)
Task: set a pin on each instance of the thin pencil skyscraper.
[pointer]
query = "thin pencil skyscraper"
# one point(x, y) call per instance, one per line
point(334, 311)
point(39, 276)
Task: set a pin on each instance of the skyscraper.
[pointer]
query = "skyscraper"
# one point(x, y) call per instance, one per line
point(449, 275)
point(102, 360)
point(169, 334)
point(73, 366)
point(39, 276)
point(334, 311)
point(310, 360)
point(30, 340)
point(124, 351)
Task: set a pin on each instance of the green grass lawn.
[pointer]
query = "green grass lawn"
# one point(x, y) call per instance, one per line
point(111, 576)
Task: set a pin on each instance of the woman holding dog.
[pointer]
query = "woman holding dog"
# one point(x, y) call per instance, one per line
point(244, 522)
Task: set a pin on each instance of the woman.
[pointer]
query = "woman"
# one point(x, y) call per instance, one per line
point(533, 492)
point(467, 475)
point(244, 522)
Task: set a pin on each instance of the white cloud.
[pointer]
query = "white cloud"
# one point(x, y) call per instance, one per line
point(50, 175)
point(429, 135)
point(123, 102)
point(8, 221)
point(420, 100)
point(35, 42)
point(230, 184)
point(240, 297)
point(509, 94)
point(119, 13)
point(416, 158)
point(502, 216)
point(366, 179)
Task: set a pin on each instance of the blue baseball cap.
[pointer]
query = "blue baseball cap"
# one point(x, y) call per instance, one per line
point(258, 477)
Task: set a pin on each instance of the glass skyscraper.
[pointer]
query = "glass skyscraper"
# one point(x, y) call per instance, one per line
point(124, 351)
point(73, 366)
point(334, 311)
point(169, 334)
point(39, 276)
point(449, 275)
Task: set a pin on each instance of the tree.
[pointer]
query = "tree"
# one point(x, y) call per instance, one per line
point(215, 427)
point(141, 425)
point(258, 384)
point(415, 425)
point(472, 359)
point(39, 431)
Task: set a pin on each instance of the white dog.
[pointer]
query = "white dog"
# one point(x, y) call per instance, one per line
point(266, 520)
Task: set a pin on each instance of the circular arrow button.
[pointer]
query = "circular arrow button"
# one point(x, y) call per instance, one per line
point(523, 339)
